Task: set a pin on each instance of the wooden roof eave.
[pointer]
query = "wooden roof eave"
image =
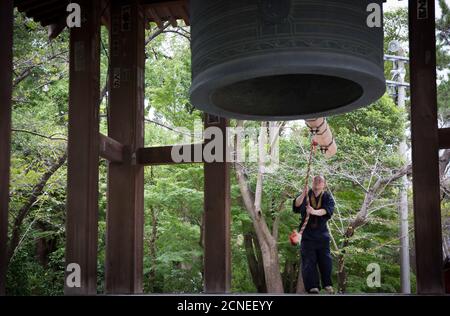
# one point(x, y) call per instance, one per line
point(52, 13)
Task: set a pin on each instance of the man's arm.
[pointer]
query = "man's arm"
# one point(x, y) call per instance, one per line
point(319, 212)
point(299, 204)
point(327, 206)
point(299, 199)
point(326, 210)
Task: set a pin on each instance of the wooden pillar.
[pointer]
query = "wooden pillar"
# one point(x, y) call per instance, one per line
point(217, 264)
point(125, 215)
point(6, 40)
point(425, 146)
point(83, 152)
point(444, 138)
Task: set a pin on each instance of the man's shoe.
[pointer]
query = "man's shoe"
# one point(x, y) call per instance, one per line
point(329, 290)
point(314, 291)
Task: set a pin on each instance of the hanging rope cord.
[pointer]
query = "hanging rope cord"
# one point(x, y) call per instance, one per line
point(308, 174)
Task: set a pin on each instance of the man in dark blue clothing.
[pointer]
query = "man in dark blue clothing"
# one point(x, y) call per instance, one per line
point(315, 242)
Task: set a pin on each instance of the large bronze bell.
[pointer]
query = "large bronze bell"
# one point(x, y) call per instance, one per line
point(284, 59)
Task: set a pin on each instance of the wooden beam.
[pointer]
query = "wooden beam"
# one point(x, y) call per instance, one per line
point(55, 29)
point(161, 2)
point(26, 6)
point(163, 155)
point(160, 11)
point(217, 218)
point(110, 149)
point(444, 138)
point(167, 12)
point(50, 14)
point(6, 40)
point(83, 150)
point(184, 13)
point(105, 19)
point(425, 146)
point(125, 213)
point(154, 16)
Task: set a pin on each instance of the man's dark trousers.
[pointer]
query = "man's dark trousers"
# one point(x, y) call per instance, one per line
point(316, 253)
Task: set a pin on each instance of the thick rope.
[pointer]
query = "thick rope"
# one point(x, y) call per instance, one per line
point(308, 174)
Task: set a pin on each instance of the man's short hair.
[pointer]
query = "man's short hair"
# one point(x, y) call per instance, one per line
point(319, 176)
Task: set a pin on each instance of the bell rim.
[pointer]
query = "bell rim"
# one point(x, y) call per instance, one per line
point(368, 75)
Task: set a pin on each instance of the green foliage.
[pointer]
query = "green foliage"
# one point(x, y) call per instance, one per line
point(26, 277)
point(175, 196)
point(367, 140)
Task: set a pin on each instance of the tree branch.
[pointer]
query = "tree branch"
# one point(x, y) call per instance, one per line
point(377, 189)
point(37, 191)
point(51, 137)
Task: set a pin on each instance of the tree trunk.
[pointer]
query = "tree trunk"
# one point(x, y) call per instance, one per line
point(37, 191)
point(252, 202)
point(300, 289)
point(272, 269)
point(152, 249)
point(342, 274)
point(44, 245)
point(290, 277)
point(254, 259)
